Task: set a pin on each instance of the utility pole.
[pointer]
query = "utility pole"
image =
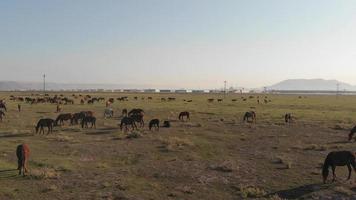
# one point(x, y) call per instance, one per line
point(44, 83)
point(224, 89)
point(337, 88)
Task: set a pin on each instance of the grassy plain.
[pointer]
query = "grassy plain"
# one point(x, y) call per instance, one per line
point(213, 156)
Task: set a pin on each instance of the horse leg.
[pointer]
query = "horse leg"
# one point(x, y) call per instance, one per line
point(334, 175)
point(349, 167)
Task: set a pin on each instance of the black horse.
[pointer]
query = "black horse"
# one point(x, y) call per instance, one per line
point(184, 114)
point(250, 117)
point(136, 111)
point(338, 158)
point(288, 117)
point(45, 122)
point(154, 123)
point(89, 119)
point(128, 121)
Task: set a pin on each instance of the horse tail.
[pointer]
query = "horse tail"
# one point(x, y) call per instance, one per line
point(38, 126)
point(19, 154)
point(325, 171)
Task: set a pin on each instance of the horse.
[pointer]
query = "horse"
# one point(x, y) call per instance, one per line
point(250, 117)
point(184, 114)
point(88, 119)
point(352, 132)
point(210, 100)
point(126, 121)
point(288, 117)
point(2, 114)
point(63, 117)
point(45, 122)
point(109, 112)
point(338, 158)
point(154, 123)
point(76, 117)
point(136, 111)
point(138, 118)
point(220, 100)
point(23, 154)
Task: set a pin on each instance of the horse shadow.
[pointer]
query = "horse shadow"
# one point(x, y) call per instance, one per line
point(9, 135)
point(299, 192)
point(8, 173)
point(339, 142)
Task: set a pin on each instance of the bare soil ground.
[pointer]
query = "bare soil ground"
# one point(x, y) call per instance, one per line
point(213, 156)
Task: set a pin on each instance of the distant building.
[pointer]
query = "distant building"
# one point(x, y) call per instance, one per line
point(180, 91)
point(150, 90)
point(198, 91)
point(165, 91)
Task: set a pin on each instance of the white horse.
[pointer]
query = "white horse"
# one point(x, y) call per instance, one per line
point(108, 113)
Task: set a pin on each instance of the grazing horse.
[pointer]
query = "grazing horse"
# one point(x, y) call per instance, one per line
point(2, 114)
point(45, 122)
point(109, 112)
point(126, 121)
point(166, 124)
point(338, 158)
point(250, 117)
point(352, 132)
point(63, 117)
point(288, 118)
point(88, 119)
point(184, 114)
point(23, 154)
point(154, 123)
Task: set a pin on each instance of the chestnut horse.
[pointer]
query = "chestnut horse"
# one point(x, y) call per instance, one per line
point(23, 154)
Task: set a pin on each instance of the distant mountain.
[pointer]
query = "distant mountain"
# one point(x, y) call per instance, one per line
point(15, 85)
point(312, 85)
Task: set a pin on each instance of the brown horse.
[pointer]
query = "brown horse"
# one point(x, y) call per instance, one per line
point(250, 117)
point(23, 154)
point(63, 117)
point(184, 114)
point(338, 158)
point(45, 122)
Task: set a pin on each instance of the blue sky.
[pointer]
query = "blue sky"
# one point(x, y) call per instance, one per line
point(178, 43)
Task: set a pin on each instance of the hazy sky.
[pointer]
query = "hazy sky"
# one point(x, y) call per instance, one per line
point(178, 43)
